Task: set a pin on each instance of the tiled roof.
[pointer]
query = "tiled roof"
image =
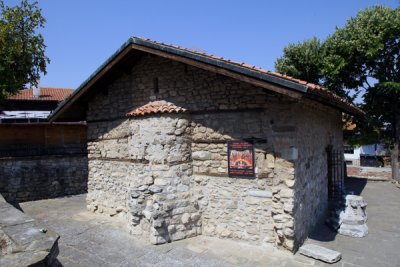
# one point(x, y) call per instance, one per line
point(241, 64)
point(313, 89)
point(271, 80)
point(160, 106)
point(46, 94)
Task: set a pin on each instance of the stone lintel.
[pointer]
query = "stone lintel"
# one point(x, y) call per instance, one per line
point(260, 193)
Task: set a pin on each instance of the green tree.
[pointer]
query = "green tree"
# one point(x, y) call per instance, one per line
point(22, 48)
point(302, 60)
point(306, 61)
point(366, 53)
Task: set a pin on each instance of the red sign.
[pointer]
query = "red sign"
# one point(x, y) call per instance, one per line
point(240, 159)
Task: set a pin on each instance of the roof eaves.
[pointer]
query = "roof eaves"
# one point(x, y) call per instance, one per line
point(52, 115)
point(245, 70)
point(331, 99)
point(220, 63)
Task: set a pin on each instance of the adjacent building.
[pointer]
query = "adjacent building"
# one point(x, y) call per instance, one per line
point(39, 159)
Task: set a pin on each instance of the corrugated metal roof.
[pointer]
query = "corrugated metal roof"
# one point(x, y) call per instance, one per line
point(24, 114)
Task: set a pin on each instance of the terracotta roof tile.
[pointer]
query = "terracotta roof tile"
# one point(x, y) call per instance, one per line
point(349, 126)
point(312, 88)
point(46, 94)
point(154, 107)
point(243, 64)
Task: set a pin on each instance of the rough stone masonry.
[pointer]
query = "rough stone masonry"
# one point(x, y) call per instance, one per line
point(38, 177)
point(167, 173)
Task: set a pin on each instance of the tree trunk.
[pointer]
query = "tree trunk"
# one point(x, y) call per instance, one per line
point(395, 162)
point(395, 151)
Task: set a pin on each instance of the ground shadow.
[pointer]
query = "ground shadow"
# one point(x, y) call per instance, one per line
point(322, 232)
point(56, 263)
point(16, 205)
point(355, 185)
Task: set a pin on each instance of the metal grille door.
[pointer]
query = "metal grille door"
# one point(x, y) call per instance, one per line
point(336, 174)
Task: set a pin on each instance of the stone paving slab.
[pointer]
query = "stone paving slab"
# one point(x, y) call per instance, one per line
point(11, 216)
point(89, 239)
point(23, 241)
point(24, 259)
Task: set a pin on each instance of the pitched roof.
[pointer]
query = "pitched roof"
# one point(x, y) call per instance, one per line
point(160, 106)
point(241, 64)
point(239, 70)
point(46, 94)
point(311, 88)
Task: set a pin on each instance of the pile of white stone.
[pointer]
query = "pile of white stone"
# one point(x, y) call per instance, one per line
point(350, 219)
point(353, 219)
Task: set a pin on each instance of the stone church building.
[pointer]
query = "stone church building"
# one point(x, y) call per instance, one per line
point(183, 143)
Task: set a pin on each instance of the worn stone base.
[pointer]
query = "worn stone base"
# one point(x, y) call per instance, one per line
point(353, 230)
point(23, 241)
point(353, 220)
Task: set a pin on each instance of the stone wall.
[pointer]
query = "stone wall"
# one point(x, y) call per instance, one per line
point(144, 170)
point(289, 193)
point(154, 78)
point(168, 173)
point(238, 208)
point(318, 128)
point(41, 177)
point(109, 166)
point(160, 201)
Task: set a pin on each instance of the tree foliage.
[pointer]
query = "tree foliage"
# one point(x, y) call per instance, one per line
point(306, 61)
point(302, 60)
point(366, 49)
point(22, 48)
point(364, 53)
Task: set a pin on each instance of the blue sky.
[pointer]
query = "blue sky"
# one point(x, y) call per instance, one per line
point(81, 35)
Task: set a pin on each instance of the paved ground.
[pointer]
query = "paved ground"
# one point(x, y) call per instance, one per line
point(88, 239)
point(381, 247)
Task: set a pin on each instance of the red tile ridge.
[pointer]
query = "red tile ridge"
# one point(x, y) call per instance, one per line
point(160, 106)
